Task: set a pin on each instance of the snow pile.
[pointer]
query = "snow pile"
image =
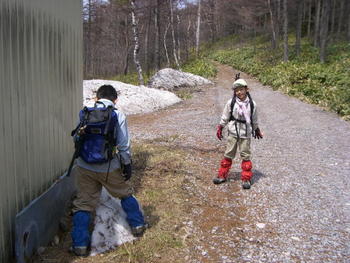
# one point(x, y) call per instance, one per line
point(131, 99)
point(171, 79)
point(111, 228)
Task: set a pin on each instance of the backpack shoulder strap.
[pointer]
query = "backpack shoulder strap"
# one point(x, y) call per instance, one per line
point(233, 101)
point(251, 110)
point(83, 117)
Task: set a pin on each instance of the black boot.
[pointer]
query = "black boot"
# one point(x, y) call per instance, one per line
point(246, 184)
point(219, 180)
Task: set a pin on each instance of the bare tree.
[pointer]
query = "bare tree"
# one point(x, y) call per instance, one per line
point(173, 33)
point(309, 19)
point(324, 29)
point(165, 45)
point(198, 26)
point(136, 40)
point(334, 4)
point(298, 31)
point(317, 23)
point(341, 15)
point(285, 30)
point(273, 27)
point(157, 34)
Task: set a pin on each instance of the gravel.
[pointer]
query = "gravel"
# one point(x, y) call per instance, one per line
point(298, 209)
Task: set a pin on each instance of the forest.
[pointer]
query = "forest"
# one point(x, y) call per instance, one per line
point(300, 47)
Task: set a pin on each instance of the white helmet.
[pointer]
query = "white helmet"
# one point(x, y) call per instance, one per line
point(239, 83)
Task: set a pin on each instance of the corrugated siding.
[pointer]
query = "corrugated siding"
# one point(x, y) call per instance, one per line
point(41, 93)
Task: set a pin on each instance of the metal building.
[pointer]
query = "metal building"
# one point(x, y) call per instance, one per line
point(41, 93)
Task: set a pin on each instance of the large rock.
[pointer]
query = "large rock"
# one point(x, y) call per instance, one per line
point(171, 79)
point(131, 99)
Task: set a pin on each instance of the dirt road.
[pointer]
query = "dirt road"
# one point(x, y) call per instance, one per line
point(298, 209)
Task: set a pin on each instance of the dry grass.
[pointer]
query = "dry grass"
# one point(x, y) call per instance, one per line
point(159, 176)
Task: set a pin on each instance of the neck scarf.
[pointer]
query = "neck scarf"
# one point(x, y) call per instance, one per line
point(243, 109)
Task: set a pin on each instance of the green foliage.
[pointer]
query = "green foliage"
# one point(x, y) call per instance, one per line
point(200, 66)
point(305, 77)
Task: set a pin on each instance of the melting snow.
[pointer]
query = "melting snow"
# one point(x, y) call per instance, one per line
point(171, 79)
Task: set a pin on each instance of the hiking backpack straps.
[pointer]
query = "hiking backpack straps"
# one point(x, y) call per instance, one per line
point(232, 118)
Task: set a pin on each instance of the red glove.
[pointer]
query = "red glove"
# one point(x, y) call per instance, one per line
point(219, 132)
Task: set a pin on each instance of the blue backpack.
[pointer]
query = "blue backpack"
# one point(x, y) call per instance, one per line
point(95, 136)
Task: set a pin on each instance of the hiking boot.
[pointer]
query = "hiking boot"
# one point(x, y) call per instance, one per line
point(79, 251)
point(246, 184)
point(139, 230)
point(219, 180)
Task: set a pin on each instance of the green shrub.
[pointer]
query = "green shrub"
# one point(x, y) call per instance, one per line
point(200, 66)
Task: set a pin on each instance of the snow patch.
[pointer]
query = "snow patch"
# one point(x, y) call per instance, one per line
point(131, 99)
point(111, 228)
point(171, 79)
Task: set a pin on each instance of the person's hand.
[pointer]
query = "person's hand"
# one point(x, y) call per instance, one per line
point(219, 132)
point(258, 134)
point(127, 171)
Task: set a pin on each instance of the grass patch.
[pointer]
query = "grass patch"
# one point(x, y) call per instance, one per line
point(201, 66)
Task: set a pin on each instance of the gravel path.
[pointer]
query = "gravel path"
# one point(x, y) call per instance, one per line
point(298, 209)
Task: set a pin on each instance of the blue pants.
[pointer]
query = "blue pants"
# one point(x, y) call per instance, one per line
point(134, 215)
point(80, 232)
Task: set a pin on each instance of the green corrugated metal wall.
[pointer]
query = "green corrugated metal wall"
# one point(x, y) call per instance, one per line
point(41, 93)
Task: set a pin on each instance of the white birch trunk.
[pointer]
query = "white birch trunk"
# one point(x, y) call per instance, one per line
point(157, 38)
point(173, 33)
point(178, 38)
point(136, 40)
point(198, 27)
point(165, 46)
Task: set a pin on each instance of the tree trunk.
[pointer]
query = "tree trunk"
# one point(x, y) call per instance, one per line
point(317, 23)
point(309, 20)
point(340, 21)
point(157, 37)
point(127, 47)
point(136, 40)
point(198, 27)
point(88, 44)
point(146, 59)
point(188, 42)
point(178, 38)
point(285, 30)
point(324, 29)
point(165, 46)
point(173, 33)
point(349, 29)
point(298, 31)
point(274, 40)
point(334, 5)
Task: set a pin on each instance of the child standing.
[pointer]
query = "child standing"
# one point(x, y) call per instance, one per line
point(240, 115)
